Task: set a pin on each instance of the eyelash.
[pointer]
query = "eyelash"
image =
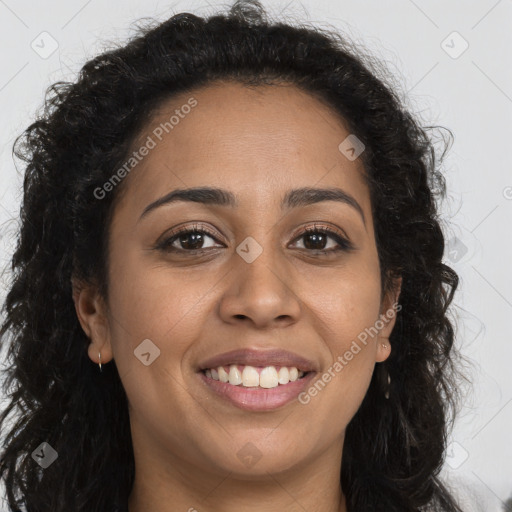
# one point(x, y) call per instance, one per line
point(166, 244)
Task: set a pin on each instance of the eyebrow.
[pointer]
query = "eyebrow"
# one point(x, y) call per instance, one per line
point(220, 197)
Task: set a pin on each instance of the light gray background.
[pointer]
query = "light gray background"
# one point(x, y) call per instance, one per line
point(468, 91)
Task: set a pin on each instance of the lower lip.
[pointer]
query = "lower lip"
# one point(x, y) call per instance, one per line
point(256, 398)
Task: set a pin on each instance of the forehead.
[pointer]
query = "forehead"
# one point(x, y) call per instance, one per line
point(258, 142)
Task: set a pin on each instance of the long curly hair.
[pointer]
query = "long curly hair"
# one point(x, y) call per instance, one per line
point(394, 449)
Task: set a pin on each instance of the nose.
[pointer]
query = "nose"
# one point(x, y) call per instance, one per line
point(261, 293)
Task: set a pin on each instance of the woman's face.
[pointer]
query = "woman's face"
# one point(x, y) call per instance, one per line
point(254, 282)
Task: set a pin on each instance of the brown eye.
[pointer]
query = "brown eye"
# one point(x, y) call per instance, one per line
point(188, 240)
point(318, 239)
point(192, 240)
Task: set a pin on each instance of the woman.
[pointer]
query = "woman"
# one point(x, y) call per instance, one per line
point(228, 291)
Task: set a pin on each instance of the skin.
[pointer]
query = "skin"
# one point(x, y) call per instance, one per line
point(258, 143)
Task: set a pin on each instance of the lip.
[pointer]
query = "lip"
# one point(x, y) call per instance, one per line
point(259, 357)
point(257, 399)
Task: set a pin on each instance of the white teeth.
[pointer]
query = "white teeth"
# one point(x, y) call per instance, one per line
point(268, 377)
point(283, 376)
point(249, 377)
point(223, 374)
point(234, 375)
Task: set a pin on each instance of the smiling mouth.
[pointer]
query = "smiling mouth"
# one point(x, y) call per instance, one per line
point(247, 376)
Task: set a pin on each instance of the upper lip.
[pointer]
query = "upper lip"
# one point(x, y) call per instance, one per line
point(259, 357)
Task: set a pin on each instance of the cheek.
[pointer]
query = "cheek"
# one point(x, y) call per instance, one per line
point(156, 304)
point(347, 326)
point(344, 304)
point(345, 310)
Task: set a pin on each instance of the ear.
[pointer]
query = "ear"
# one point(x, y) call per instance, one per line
point(92, 315)
point(388, 313)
